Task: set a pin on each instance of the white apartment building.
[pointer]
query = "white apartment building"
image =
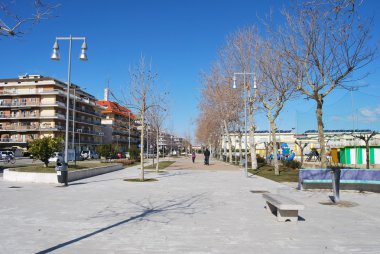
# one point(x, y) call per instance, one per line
point(33, 106)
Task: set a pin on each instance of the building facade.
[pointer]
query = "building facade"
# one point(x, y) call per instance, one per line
point(33, 106)
point(119, 124)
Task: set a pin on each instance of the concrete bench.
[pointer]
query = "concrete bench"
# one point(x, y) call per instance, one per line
point(285, 208)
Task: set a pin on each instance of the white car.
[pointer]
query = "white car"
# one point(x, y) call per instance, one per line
point(89, 155)
point(57, 157)
point(4, 154)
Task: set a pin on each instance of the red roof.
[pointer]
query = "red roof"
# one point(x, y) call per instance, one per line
point(115, 108)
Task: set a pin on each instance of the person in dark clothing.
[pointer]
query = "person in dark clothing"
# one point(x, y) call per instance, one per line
point(207, 156)
point(193, 156)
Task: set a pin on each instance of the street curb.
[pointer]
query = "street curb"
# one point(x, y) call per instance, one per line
point(31, 177)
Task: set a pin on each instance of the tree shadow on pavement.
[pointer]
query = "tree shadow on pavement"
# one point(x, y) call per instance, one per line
point(146, 209)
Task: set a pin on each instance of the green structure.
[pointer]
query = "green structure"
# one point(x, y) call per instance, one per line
point(357, 155)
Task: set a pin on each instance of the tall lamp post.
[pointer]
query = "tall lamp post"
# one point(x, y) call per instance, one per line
point(55, 56)
point(245, 114)
point(129, 131)
point(171, 145)
point(79, 132)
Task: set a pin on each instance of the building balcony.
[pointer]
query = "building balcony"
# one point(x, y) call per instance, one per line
point(92, 122)
point(86, 111)
point(11, 140)
point(13, 92)
point(31, 116)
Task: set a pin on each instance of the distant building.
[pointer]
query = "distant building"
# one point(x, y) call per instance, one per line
point(170, 144)
point(334, 139)
point(119, 124)
point(33, 106)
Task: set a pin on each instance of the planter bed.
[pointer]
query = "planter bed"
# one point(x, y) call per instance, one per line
point(14, 176)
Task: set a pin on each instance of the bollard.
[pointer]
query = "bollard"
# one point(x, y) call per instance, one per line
point(335, 177)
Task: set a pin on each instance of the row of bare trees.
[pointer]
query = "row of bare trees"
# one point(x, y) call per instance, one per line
point(319, 47)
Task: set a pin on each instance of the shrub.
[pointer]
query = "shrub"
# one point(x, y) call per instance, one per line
point(107, 150)
point(292, 164)
point(44, 148)
point(125, 162)
point(134, 153)
point(260, 159)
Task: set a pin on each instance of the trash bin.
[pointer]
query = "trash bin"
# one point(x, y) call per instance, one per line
point(62, 173)
point(335, 177)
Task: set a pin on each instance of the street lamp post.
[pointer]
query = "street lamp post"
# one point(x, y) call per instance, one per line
point(79, 132)
point(55, 56)
point(171, 145)
point(117, 141)
point(129, 131)
point(245, 114)
point(147, 141)
point(73, 137)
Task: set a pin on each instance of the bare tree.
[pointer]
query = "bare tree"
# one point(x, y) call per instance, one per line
point(142, 80)
point(275, 85)
point(218, 97)
point(209, 130)
point(302, 148)
point(326, 42)
point(238, 56)
point(12, 23)
point(366, 138)
point(157, 115)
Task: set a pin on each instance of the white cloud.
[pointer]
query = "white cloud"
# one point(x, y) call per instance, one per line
point(369, 114)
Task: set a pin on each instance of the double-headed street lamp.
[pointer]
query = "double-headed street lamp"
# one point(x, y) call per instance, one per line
point(245, 113)
point(55, 56)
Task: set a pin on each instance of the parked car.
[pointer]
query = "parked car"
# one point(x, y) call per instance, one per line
point(4, 154)
point(57, 157)
point(89, 155)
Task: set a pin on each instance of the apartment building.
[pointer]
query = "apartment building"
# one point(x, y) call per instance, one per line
point(119, 124)
point(170, 144)
point(33, 106)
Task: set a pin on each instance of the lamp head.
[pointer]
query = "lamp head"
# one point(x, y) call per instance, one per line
point(55, 54)
point(83, 54)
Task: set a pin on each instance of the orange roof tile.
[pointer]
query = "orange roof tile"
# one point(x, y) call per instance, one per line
point(115, 108)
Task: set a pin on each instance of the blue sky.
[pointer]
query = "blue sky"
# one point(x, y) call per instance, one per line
point(181, 39)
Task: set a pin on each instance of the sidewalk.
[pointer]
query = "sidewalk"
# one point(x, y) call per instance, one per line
point(192, 208)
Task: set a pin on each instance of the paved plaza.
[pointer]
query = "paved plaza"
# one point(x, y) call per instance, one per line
point(192, 208)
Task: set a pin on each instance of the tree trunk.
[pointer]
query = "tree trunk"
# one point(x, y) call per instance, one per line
point(302, 148)
point(157, 154)
point(229, 141)
point(252, 129)
point(321, 133)
point(142, 145)
point(274, 140)
point(240, 147)
point(367, 153)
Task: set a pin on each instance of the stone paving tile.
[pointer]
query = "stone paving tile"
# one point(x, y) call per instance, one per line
point(192, 208)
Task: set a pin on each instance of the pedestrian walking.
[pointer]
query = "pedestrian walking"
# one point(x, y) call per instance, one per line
point(193, 156)
point(207, 156)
